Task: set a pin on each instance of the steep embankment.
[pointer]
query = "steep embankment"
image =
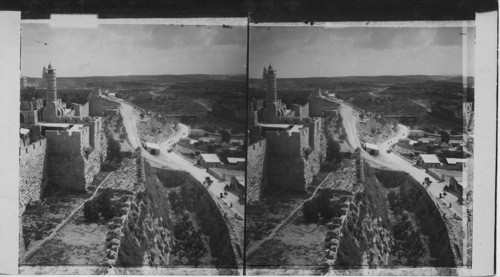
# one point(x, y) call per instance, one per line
point(197, 199)
point(147, 239)
point(366, 238)
point(391, 221)
point(151, 229)
point(416, 201)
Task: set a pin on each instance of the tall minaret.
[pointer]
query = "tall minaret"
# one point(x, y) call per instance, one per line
point(272, 89)
point(49, 74)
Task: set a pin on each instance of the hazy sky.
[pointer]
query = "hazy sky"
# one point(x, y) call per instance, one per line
point(133, 50)
point(358, 51)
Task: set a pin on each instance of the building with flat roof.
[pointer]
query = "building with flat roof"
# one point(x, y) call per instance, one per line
point(152, 148)
point(372, 149)
point(428, 161)
point(210, 160)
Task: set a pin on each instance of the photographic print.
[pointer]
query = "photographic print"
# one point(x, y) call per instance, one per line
point(360, 146)
point(132, 149)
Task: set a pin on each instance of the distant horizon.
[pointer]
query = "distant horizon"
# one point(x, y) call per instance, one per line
point(142, 75)
point(254, 78)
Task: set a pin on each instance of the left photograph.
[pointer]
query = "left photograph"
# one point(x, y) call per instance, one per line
point(132, 149)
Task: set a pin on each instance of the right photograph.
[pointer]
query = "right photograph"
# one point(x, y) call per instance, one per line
point(360, 149)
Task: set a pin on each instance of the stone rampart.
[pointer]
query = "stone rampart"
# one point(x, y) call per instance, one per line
point(256, 170)
point(318, 105)
point(98, 105)
point(287, 143)
point(32, 171)
point(75, 157)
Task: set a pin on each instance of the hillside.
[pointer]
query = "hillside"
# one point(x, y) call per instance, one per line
point(77, 82)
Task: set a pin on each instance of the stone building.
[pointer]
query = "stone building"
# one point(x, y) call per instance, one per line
point(272, 109)
point(287, 145)
point(63, 147)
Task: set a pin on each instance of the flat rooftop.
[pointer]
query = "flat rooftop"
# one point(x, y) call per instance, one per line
point(430, 159)
point(455, 160)
point(277, 126)
point(55, 125)
point(152, 145)
point(236, 160)
point(210, 158)
point(371, 146)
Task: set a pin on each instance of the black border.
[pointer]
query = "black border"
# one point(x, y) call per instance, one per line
point(307, 11)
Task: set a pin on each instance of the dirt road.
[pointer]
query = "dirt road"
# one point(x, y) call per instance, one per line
point(350, 118)
point(422, 105)
point(175, 161)
point(375, 92)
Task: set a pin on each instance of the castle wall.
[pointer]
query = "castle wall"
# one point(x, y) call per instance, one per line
point(31, 105)
point(73, 161)
point(32, 172)
point(256, 170)
point(294, 158)
point(287, 143)
point(98, 105)
point(317, 106)
point(29, 117)
point(286, 162)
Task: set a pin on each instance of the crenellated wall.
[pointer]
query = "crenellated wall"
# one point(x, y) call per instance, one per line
point(74, 158)
point(293, 158)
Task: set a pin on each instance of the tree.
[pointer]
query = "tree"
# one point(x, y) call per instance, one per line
point(90, 212)
point(104, 204)
point(114, 149)
point(309, 212)
point(225, 135)
point(332, 149)
point(445, 137)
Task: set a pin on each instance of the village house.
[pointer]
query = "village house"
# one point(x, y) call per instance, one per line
point(152, 148)
point(428, 161)
point(416, 133)
point(372, 149)
point(209, 160)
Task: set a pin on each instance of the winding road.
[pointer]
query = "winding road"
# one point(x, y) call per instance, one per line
point(392, 161)
point(175, 161)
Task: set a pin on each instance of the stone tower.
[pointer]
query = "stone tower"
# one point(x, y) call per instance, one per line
point(269, 76)
point(49, 74)
point(53, 106)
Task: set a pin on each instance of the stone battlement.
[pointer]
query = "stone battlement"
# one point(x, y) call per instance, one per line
point(286, 142)
point(76, 119)
point(27, 149)
point(258, 146)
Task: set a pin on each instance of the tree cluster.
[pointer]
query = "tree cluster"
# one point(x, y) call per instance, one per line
point(189, 245)
point(321, 206)
point(408, 248)
point(101, 206)
point(114, 155)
